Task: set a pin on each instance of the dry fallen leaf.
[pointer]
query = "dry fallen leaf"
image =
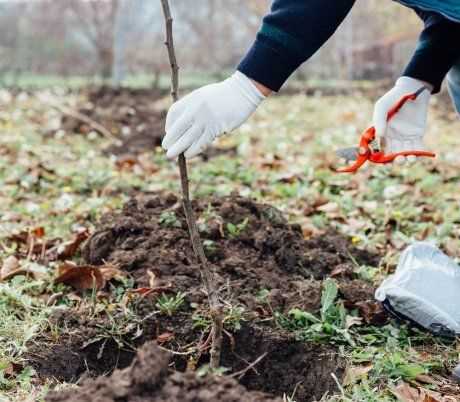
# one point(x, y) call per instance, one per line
point(406, 393)
point(152, 279)
point(80, 277)
point(33, 240)
point(9, 266)
point(141, 291)
point(38, 231)
point(111, 272)
point(350, 321)
point(165, 337)
point(355, 374)
point(330, 207)
point(426, 379)
point(372, 312)
point(145, 291)
point(68, 249)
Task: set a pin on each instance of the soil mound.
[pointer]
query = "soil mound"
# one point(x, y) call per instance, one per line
point(263, 265)
point(148, 379)
point(253, 250)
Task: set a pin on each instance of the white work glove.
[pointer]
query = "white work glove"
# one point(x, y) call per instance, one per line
point(406, 130)
point(195, 121)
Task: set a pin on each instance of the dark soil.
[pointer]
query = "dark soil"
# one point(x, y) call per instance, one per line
point(127, 113)
point(263, 265)
point(130, 114)
point(268, 253)
point(79, 353)
point(149, 380)
point(287, 366)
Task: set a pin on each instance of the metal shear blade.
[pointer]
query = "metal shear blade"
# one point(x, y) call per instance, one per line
point(349, 154)
point(368, 149)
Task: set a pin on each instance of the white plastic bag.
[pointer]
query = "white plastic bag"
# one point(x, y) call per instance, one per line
point(425, 290)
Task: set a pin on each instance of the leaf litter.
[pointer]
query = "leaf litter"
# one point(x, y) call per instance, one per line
point(357, 207)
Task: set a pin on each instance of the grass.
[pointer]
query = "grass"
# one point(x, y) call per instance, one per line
point(284, 157)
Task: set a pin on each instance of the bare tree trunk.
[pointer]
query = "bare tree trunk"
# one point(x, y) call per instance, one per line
point(106, 60)
point(127, 17)
point(349, 47)
point(207, 275)
point(156, 78)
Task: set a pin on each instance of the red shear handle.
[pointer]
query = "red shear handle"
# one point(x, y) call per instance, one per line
point(380, 157)
point(396, 108)
point(365, 153)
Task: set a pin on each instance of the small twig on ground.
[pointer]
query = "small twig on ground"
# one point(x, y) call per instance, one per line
point(85, 119)
point(173, 352)
point(207, 276)
point(231, 338)
point(241, 373)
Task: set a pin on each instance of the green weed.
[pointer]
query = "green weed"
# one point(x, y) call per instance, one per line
point(235, 230)
point(169, 219)
point(170, 304)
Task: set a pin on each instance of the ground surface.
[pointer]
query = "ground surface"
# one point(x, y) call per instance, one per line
point(298, 251)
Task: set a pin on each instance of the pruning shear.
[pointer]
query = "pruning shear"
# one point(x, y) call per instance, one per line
point(368, 150)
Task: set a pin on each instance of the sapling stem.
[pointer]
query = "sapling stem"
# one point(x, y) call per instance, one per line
point(207, 275)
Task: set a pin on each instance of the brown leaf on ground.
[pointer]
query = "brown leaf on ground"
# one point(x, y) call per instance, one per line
point(126, 162)
point(329, 208)
point(372, 312)
point(350, 321)
point(145, 291)
point(342, 270)
point(406, 393)
point(11, 268)
point(33, 240)
point(110, 272)
point(10, 264)
point(69, 249)
point(80, 277)
point(141, 291)
point(426, 379)
point(38, 232)
point(355, 374)
point(165, 337)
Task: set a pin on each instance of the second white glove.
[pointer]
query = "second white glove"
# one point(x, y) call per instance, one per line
point(196, 120)
point(406, 130)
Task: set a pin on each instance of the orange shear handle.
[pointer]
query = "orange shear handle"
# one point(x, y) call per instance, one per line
point(366, 154)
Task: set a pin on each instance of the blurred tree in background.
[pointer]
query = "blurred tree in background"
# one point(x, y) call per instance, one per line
point(114, 39)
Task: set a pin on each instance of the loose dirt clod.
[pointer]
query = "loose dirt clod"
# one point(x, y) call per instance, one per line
point(148, 380)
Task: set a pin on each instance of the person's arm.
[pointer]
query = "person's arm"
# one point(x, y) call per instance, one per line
point(292, 32)
point(437, 50)
point(436, 53)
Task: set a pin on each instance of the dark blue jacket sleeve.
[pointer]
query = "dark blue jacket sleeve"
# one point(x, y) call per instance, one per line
point(292, 32)
point(437, 51)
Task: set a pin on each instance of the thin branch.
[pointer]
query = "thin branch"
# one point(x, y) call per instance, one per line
point(85, 119)
point(241, 373)
point(206, 274)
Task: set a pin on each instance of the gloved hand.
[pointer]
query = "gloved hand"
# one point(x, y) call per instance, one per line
point(406, 130)
point(195, 121)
